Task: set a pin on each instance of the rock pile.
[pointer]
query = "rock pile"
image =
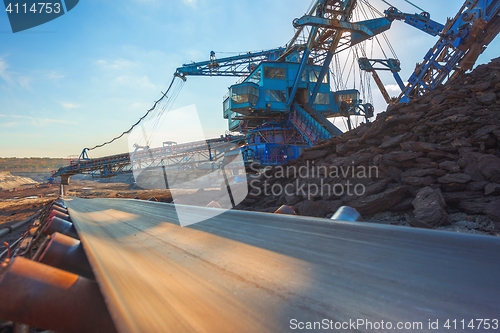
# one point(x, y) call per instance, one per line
point(9, 181)
point(436, 156)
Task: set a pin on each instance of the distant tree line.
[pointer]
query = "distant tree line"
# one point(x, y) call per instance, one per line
point(32, 164)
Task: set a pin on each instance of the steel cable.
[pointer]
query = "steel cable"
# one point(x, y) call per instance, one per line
point(164, 95)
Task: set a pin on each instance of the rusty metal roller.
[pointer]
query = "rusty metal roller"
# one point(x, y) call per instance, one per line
point(66, 253)
point(56, 224)
point(60, 215)
point(59, 208)
point(50, 298)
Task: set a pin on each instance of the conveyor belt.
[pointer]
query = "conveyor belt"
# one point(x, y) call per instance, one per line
point(256, 272)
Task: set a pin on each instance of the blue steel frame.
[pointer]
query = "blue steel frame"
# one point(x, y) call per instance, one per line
point(288, 89)
point(461, 42)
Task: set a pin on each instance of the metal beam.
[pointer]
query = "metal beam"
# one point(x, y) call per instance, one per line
point(240, 65)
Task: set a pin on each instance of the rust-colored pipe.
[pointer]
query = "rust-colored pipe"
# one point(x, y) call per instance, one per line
point(41, 248)
point(50, 298)
point(66, 253)
point(7, 230)
point(56, 224)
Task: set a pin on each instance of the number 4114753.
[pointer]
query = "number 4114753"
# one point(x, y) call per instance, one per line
point(35, 8)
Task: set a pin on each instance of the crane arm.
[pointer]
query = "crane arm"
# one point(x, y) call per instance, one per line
point(420, 21)
point(462, 40)
point(240, 65)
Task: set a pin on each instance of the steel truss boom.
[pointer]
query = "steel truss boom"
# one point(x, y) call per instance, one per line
point(327, 30)
point(192, 153)
point(240, 65)
point(462, 40)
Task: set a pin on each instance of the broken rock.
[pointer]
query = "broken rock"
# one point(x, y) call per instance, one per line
point(429, 207)
point(379, 202)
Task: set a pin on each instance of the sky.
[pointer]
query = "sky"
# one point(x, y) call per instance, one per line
point(88, 75)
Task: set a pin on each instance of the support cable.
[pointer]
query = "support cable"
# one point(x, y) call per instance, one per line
point(411, 3)
point(164, 95)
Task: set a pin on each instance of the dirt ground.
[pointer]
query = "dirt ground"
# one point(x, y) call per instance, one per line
point(20, 205)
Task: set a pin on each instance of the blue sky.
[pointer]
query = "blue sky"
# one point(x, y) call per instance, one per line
point(87, 76)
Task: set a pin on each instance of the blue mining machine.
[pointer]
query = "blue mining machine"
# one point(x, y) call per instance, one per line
point(284, 101)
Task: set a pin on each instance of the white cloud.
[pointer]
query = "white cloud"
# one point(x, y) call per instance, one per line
point(393, 89)
point(193, 54)
point(135, 81)
point(53, 75)
point(12, 78)
point(139, 106)
point(68, 105)
point(9, 124)
point(24, 81)
point(149, 2)
point(191, 3)
point(117, 64)
point(39, 121)
point(3, 72)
